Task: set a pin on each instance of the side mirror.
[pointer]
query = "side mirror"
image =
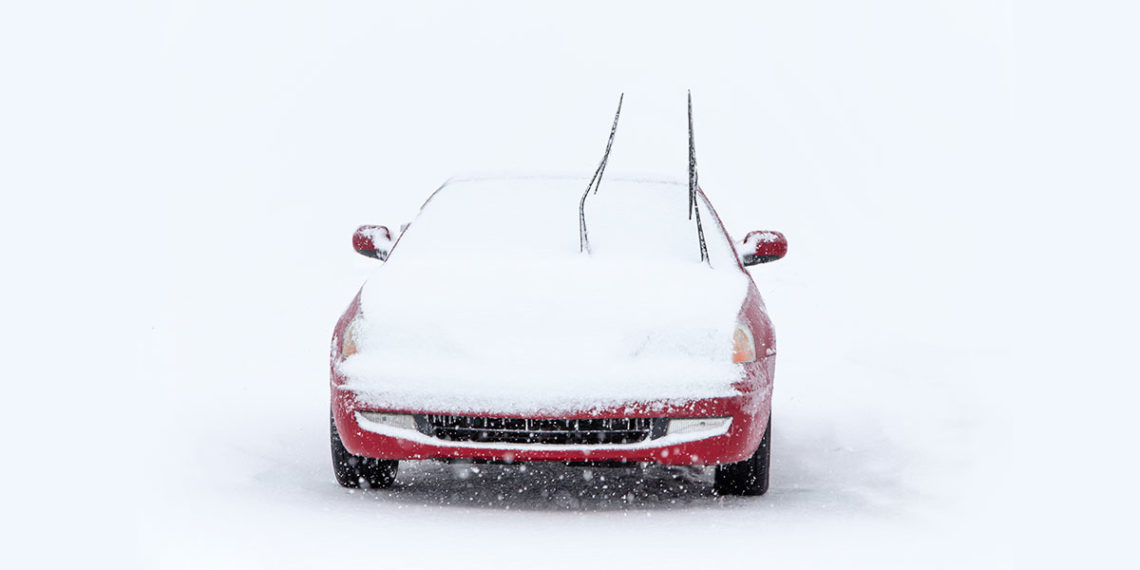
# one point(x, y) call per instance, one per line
point(372, 241)
point(762, 247)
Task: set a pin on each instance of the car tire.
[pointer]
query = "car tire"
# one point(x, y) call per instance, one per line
point(355, 471)
point(748, 477)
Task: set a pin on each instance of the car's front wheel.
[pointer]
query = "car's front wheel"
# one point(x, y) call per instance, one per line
point(748, 477)
point(355, 471)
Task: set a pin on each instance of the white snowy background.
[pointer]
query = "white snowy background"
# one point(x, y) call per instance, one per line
point(956, 314)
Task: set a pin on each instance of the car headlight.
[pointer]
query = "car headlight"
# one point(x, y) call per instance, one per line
point(348, 343)
point(402, 421)
point(743, 347)
point(690, 425)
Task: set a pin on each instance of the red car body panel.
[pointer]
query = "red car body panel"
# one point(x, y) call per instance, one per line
point(749, 408)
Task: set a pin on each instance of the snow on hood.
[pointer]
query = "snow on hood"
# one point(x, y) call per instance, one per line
point(487, 304)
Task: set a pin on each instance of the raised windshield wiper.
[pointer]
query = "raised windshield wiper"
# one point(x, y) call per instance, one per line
point(595, 183)
point(693, 206)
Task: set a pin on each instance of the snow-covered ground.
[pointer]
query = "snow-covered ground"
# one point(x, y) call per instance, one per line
point(955, 314)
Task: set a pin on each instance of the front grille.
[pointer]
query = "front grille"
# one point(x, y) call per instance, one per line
point(583, 431)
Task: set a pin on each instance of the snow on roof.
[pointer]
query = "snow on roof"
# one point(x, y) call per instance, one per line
point(523, 217)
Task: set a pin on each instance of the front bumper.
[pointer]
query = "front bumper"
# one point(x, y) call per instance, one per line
point(749, 412)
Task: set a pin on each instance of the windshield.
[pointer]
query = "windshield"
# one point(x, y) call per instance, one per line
point(537, 218)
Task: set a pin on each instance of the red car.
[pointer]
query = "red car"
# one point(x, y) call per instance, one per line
point(489, 335)
point(495, 332)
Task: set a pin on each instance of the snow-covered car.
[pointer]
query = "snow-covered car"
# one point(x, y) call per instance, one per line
point(493, 333)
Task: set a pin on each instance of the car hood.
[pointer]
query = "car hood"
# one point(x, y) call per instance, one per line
point(517, 335)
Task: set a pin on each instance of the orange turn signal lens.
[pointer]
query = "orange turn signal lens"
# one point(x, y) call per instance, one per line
point(743, 348)
point(349, 347)
point(348, 343)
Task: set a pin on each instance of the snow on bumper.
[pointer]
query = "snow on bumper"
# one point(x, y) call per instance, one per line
point(716, 444)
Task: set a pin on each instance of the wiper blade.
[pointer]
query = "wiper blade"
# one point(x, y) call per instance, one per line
point(694, 208)
point(595, 183)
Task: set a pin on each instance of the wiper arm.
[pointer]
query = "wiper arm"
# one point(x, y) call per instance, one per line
point(595, 183)
point(693, 206)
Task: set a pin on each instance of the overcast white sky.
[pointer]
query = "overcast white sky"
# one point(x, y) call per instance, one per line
point(180, 180)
